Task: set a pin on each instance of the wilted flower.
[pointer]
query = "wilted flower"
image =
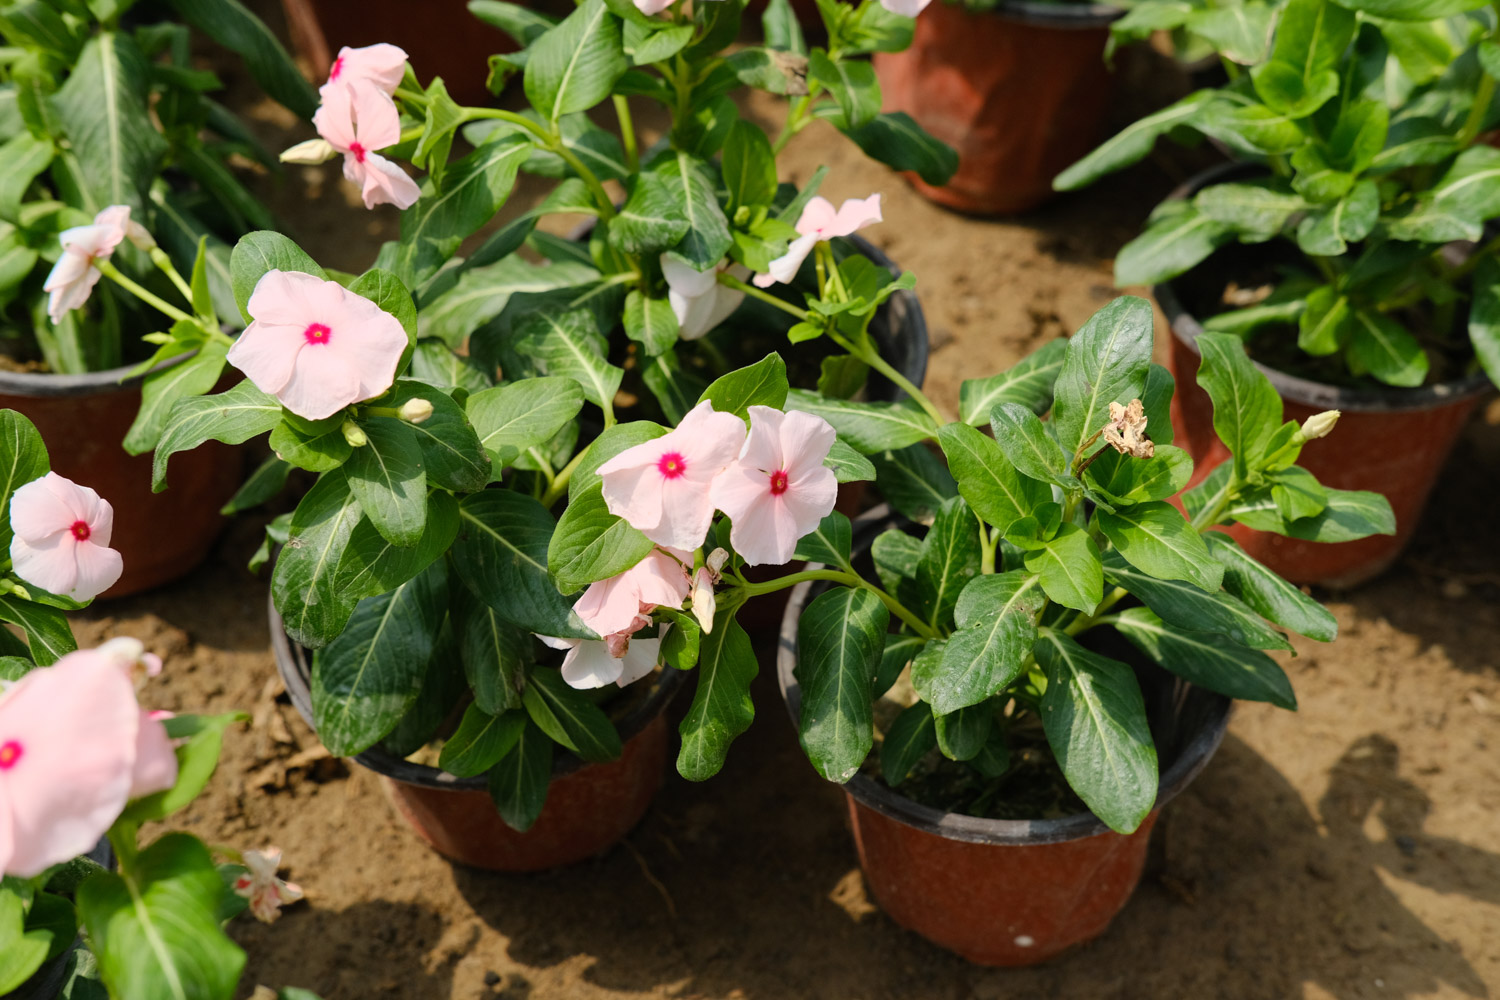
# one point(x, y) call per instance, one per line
point(593, 663)
point(612, 606)
point(820, 222)
point(698, 300)
point(61, 541)
point(259, 884)
point(1126, 430)
point(380, 66)
point(779, 489)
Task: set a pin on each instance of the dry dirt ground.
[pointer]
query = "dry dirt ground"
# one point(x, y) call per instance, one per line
point(1349, 850)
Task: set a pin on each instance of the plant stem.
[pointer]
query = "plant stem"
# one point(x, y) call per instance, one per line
point(725, 278)
point(165, 266)
point(1481, 106)
point(1083, 622)
point(849, 580)
point(537, 130)
point(113, 274)
point(871, 357)
point(627, 133)
point(559, 485)
point(601, 196)
point(987, 545)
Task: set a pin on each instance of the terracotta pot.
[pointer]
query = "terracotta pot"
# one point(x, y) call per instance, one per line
point(83, 419)
point(442, 39)
point(1010, 892)
point(1021, 92)
point(47, 982)
point(1390, 441)
point(589, 807)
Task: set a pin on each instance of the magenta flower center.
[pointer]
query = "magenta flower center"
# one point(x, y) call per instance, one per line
point(81, 530)
point(778, 482)
point(336, 68)
point(671, 465)
point(358, 150)
point(10, 754)
point(317, 333)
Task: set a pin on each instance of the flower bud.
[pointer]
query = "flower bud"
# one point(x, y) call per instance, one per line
point(137, 234)
point(310, 153)
point(415, 410)
point(354, 434)
point(704, 601)
point(1319, 424)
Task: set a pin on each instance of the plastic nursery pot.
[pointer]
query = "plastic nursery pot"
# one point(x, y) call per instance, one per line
point(590, 807)
point(438, 34)
point(1009, 892)
point(1020, 91)
point(1389, 440)
point(47, 982)
point(83, 419)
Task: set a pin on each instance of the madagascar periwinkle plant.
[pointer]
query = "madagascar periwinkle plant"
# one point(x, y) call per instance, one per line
point(82, 763)
point(107, 128)
point(1369, 118)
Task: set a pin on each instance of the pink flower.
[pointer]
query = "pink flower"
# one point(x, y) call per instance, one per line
point(76, 272)
point(779, 488)
point(705, 604)
point(68, 736)
point(662, 486)
point(357, 121)
point(259, 884)
point(650, 7)
point(380, 66)
point(619, 659)
point(699, 302)
point(61, 541)
point(906, 8)
point(613, 605)
point(316, 346)
point(820, 222)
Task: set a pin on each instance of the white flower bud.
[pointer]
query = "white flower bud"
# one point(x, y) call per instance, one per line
point(1319, 424)
point(310, 153)
point(415, 410)
point(354, 434)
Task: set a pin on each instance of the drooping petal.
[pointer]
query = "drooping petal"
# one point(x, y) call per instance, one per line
point(660, 580)
point(99, 568)
point(785, 267)
point(611, 605)
point(385, 183)
point(687, 280)
point(906, 8)
point(639, 660)
point(322, 384)
point(589, 665)
point(382, 65)
point(650, 7)
point(854, 215)
point(155, 760)
point(334, 118)
point(377, 123)
point(71, 268)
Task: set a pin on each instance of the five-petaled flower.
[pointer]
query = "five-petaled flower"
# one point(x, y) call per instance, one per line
point(379, 67)
point(820, 222)
point(316, 346)
point(699, 301)
point(259, 884)
point(1126, 430)
point(661, 487)
point(61, 540)
point(779, 489)
point(617, 659)
point(76, 272)
point(75, 747)
point(613, 605)
point(358, 121)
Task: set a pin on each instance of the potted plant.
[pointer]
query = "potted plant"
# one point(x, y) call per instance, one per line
point(1348, 251)
point(1019, 88)
point(1051, 658)
point(83, 766)
point(109, 127)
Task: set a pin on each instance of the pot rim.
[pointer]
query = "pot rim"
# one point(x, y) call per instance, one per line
point(1062, 16)
point(1187, 329)
point(872, 794)
point(295, 667)
point(50, 385)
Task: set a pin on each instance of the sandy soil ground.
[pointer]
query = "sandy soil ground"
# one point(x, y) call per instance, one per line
point(1349, 850)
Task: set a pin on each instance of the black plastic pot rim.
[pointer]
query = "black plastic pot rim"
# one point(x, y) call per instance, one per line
point(1061, 16)
point(1319, 395)
point(973, 829)
point(295, 666)
point(50, 385)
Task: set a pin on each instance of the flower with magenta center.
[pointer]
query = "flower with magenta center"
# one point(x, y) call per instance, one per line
point(779, 489)
point(358, 121)
point(379, 66)
point(316, 346)
point(61, 541)
point(817, 223)
point(76, 272)
point(661, 487)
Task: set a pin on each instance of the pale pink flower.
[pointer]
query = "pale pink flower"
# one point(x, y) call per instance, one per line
point(651, 7)
point(68, 736)
point(259, 884)
point(820, 222)
point(906, 8)
point(357, 121)
point(76, 272)
point(618, 659)
point(612, 605)
point(131, 657)
point(315, 345)
point(61, 541)
point(380, 66)
point(779, 489)
point(155, 767)
point(661, 487)
point(698, 300)
point(705, 604)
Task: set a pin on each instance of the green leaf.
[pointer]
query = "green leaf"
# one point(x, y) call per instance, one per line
point(1349, 516)
point(443, 118)
point(650, 323)
point(1095, 720)
point(987, 480)
point(317, 451)
point(568, 344)
point(1107, 362)
point(521, 23)
point(1155, 538)
point(868, 427)
point(1247, 409)
point(1258, 210)
point(512, 418)
point(1241, 32)
point(782, 28)
point(1177, 238)
point(749, 166)
point(257, 253)
point(23, 459)
point(828, 543)
point(990, 649)
point(1070, 569)
point(26, 157)
point(443, 690)
point(574, 65)
point(761, 384)
point(692, 188)
point(1413, 142)
point(950, 559)
point(1326, 323)
point(1133, 143)
point(1124, 479)
point(502, 556)
point(156, 932)
point(161, 389)
point(480, 741)
point(852, 84)
point(1268, 594)
point(1027, 445)
point(569, 717)
point(607, 446)
point(651, 220)
point(303, 585)
point(1246, 125)
point(1028, 383)
point(962, 734)
point(1484, 317)
point(910, 738)
point(436, 364)
point(452, 453)
point(234, 27)
point(518, 784)
point(1412, 10)
point(914, 481)
point(1383, 347)
point(197, 758)
point(898, 652)
point(46, 628)
point(722, 708)
point(839, 640)
point(389, 479)
point(1185, 606)
point(482, 293)
point(364, 680)
point(848, 465)
point(495, 654)
point(1208, 659)
point(1301, 75)
point(896, 140)
point(22, 952)
point(592, 544)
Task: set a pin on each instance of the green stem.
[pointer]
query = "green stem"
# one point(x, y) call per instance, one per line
point(849, 580)
point(537, 130)
point(988, 543)
point(165, 266)
point(601, 196)
point(793, 124)
point(725, 278)
point(1083, 622)
point(627, 133)
point(1481, 105)
point(559, 485)
point(870, 356)
point(113, 274)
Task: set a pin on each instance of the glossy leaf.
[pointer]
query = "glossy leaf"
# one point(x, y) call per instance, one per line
point(1155, 538)
point(592, 544)
point(502, 556)
point(1070, 569)
point(1267, 593)
point(721, 708)
point(1029, 383)
point(1185, 606)
point(839, 641)
point(1208, 659)
point(987, 480)
point(1106, 362)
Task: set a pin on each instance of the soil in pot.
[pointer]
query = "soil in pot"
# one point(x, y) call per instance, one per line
point(1389, 440)
point(589, 807)
point(1020, 91)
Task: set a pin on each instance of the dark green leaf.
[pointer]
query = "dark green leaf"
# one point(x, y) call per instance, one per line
point(839, 640)
point(722, 708)
point(1208, 659)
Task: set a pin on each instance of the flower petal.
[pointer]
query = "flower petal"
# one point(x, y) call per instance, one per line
point(155, 760)
point(267, 353)
point(50, 504)
point(855, 214)
point(385, 183)
point(805, 442)
point(763, 449)
point(47, 563)
point(322, 384)
point(98, 570)
point(640, 659)
point(589, 665)
point(785, 267)
point(817, 215)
